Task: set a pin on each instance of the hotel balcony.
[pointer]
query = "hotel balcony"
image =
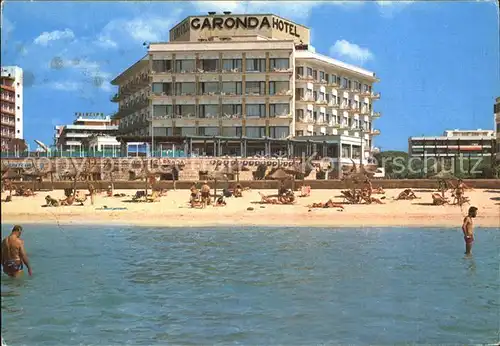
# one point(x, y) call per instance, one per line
point(375, 115)
point(333, 105)
point(375, 132)
point(344, 88)
point(8, 111)
point(282, 116)
point(306, 99)
point(226, 94)
point(137, 84)
point(8, 123)
point(305, 78)
point(133, 126)
point(281, 70)
point(283, 93)
point(320, 82)
point(255, 95)
point(321, 102)
point(344, 107)
point(332, 85)
point(131, 108)
point(233, 70)
point(374, 96)
point(365, 111)
point(305, 120)
point(8, 99)
point(354, 110)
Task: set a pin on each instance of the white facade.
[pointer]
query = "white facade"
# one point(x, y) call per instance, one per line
point(246, 85)
point(72, 137)
point(16, 73)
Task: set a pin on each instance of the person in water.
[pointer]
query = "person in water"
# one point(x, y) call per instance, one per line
point(13, 254)
point(468, 229)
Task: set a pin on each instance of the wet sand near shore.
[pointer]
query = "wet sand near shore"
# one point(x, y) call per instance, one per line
point(173, 211)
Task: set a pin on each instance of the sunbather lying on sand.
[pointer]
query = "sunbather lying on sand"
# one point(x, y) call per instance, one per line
point(51, 202)
point(268, 200)
point(328, 204)
point(406, 194)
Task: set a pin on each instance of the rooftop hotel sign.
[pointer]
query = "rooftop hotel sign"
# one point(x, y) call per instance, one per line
point(195, 28)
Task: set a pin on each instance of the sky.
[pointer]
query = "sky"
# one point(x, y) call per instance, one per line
point(438, 62)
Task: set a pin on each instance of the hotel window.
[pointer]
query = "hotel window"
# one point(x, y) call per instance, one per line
point(183, 66)
point(162, 88)
point(299, 133)
point(209, 88)
point(299, 115)
point(279, 64)
point(160, 131)
point(162, 65)
point(256, 110)
point(279, 109)
point(333, 79)
point(279, 131)
point(162, 110)
point(228, 110)
point(185, 110)
point(309, 114)
point(344, 83)
point(208, 131)
point(346, 150)
point(309, 72)
point(299, 71)
point(321, 75)
point(328, 117)
point(208, 111)
point(315, 74)
point(256, 65)
point(233, 131)
point(280, 88)
point(315, 116)
point(255, 88)
point(299, 93)
point(185, 89)
point(188, 131)
point(256, 131)
point(327, 97)
point(210, 65)
point(315, 95)
point(321, 96)
point(231, 64)
point(231, 88)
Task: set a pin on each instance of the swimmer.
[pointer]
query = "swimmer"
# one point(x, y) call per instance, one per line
point(468, 229)
point(13, 254)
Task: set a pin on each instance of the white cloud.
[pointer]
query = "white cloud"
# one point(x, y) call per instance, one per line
point(389, 8)
point(46, 37)
point(65, 86)
point(352, 51)
point(138, 30)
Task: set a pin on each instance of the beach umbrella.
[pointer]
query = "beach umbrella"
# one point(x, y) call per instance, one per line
point(280, 174)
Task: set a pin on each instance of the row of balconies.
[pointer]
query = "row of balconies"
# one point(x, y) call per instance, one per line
point(370, 95)
point(8, 110)
point(219, 116)
point(6, 122)
point(137, 84)
point(220, 70)
point(287, 93)
point(131, 108)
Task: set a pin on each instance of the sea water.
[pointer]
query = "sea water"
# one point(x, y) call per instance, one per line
point(159, 286)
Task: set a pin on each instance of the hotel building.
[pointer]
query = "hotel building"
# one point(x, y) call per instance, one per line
point(11, 82)
point(94, 131)
point(254, 84)
point(496, 111)
point(453, 143)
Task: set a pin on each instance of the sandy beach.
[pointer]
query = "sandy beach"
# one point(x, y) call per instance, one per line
point(173, 211)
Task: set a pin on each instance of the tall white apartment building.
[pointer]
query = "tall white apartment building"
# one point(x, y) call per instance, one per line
point(12, 103)
point(247, 76)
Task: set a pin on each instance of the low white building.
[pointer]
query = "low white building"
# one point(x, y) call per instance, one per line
point(106, 144)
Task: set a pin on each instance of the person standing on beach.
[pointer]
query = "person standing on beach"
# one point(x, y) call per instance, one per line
point(13, 254)
point(92, 194)
point(468, 229)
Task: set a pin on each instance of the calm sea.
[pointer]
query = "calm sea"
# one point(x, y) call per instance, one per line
point(151, 286)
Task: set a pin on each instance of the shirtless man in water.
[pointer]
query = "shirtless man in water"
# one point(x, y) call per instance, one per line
point(14, 254)
point(468, 229)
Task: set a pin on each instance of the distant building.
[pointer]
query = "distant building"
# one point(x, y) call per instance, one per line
point(453, 143)
point(496, 110)
point(73, 137)
point(11, 80)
